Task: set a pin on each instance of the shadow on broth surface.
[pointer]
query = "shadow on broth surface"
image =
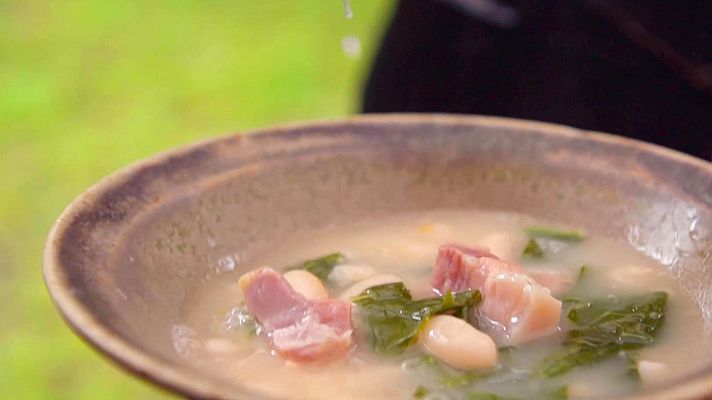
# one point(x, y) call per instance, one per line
point(145, 264)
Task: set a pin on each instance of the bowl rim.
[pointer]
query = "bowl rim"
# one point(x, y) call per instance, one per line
point(181, 380)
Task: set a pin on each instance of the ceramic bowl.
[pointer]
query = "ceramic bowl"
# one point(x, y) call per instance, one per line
point(121, 258)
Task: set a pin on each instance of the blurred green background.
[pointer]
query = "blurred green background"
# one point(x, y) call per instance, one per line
point(89, 86)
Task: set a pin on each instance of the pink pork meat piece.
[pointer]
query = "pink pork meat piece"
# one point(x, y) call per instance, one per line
point(299, 329)
point(516, 309)
point(557, 280)
point(459, 268)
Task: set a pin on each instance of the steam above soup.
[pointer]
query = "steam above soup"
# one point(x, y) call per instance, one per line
point(446, 305)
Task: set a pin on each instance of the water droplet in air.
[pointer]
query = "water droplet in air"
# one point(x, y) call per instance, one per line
point(351, 46)
point(121, 294)
point(348, 12)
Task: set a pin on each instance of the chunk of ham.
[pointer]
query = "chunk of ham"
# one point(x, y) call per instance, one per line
point(299, 329)
point(459, 268)
point(515, 309)
point(558, 281)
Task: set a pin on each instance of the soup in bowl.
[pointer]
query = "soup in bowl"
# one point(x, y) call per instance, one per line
point(420, 256)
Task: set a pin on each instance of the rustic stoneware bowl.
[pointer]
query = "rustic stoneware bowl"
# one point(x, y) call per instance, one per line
point(120, 259)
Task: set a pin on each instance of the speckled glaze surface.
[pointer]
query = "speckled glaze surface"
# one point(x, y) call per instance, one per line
point(121, 257)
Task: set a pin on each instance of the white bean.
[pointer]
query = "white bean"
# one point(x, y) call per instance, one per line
point(346, 274)
point(651, 371)
point(307, 284)
point(375, 280)
point(632, 276)
point(637, 278)
point(457, 343)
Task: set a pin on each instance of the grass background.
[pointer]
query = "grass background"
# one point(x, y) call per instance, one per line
point(88, 86)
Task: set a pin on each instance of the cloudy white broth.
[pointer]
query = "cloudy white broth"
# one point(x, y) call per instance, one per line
point(445, 305)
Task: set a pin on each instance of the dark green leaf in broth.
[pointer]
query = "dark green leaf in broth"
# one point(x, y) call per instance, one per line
point(631, 360)
point(605, 328)
point(383, 293)
point(573, 298)
point(452, 378)
point(540, 239)
point(506, 350)
point(642, 316)
point(456, 384)
point(420, 392)
point(505, 353)
point(321, 266)
point(584, 272)
point(427, 359)
point(533, 249)
point(540, 232)
point(489, 396)
point(560, 393)
point(457, 379)
point(394, 318)
point(564, 362)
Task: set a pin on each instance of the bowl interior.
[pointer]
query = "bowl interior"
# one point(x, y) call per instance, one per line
point(122, 257)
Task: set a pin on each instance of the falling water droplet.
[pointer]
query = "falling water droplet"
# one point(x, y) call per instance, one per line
point(348, 12)
point(351, 46)
point(121, 294)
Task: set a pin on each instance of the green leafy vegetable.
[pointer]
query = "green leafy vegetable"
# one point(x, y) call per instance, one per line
point(394, 318)
point(427, 359)
point(489, 396)
point(631, 359)
point(559, 393)
point(322, 266)
point(583, 274)
point(533, 249)
point(573, 298)
point(420, 392)
point(462, 379)
point(506, 350)
point(539, 232)
point(605, 328)
point(455, 384)
point(541, 239)
point(505, 353)
point(449, 377)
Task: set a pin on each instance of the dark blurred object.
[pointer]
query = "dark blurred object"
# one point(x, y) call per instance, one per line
point(635, 68)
